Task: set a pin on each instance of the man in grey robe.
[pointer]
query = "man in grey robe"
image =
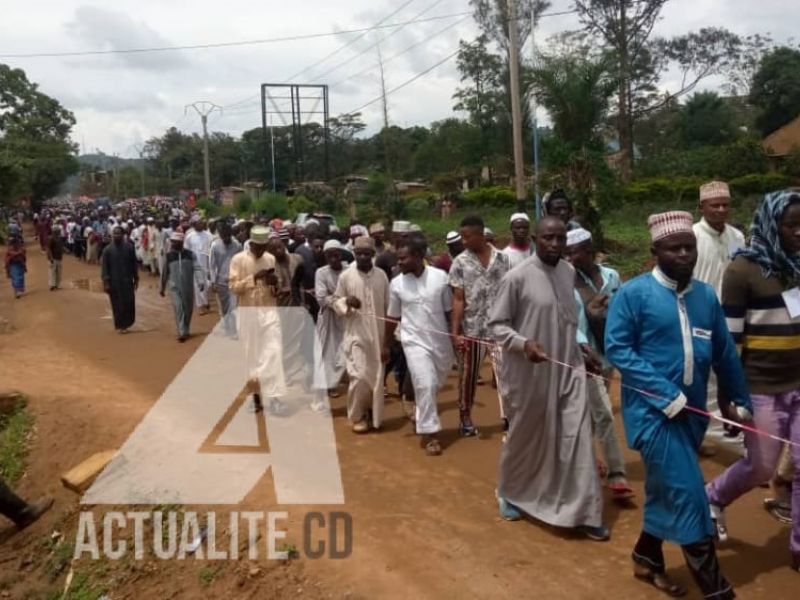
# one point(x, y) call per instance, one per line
point(547, 466)
point(182, 272)
point(222, 251)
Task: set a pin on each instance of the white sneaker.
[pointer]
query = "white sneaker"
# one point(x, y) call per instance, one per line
point(718, 516)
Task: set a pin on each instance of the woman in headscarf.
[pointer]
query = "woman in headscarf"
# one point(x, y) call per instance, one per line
point(761, 299)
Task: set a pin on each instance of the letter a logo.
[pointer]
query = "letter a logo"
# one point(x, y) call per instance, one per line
point(201, 444)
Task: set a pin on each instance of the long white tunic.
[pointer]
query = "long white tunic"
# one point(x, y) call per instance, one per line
point(364, 334)
point(714, 251)
point(329, 351)
point(259, 323)
point(421, 304)
point(199, 242)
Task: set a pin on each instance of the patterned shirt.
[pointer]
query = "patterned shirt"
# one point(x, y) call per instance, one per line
point(480, 287)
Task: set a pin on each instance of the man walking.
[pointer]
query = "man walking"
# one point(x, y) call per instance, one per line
point(182, 273)
point(760, 297)
point(120, 273)
point(547, 466)
point(716, 243)
point(55, 254)
point(421, 299)
point(198, 241)
point(475, 278)
point(330, 326)
point(361, 298)
point(222, 252)
point(664, 333)
point(252, 279)
point(595, 285)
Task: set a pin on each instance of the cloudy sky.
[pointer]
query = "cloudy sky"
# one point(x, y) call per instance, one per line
point(122, 99)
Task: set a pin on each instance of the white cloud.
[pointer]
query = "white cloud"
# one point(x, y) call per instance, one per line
point(122, 99)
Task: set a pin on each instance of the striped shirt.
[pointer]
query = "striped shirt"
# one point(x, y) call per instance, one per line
point(768, 338)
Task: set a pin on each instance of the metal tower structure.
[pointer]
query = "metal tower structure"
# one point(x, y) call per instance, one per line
point(304, 104)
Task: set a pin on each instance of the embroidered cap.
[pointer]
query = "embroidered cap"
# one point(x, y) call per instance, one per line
point(259, 235)
point(332, 245)
point(669, 223)
point(364, 243)
point(578, 236)
point(377, 228)
point(401, 227)
point(487, 232)
point(176, 236)
point(453, 237)
point(714, 190)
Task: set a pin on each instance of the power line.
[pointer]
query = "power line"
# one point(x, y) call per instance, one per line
point(347, 45)
point(406, 83)
point(228, 44)
point(375, 45)
point(401, 53)
point(355, 39)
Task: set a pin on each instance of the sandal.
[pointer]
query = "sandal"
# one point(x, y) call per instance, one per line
point(660, 581)
point(621, 491)
point(432, 447)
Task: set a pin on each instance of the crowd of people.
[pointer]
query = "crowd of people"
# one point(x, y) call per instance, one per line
point(709, 339)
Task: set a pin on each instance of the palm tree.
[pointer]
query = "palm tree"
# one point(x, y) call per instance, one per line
point(575, 91)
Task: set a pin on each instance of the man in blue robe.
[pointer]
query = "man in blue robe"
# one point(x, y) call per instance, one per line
point(665, 331)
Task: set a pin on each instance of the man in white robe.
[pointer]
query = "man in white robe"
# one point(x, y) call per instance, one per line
point(716, 243)
point(252, 279)
point(547, 465)
point(199, 241)
point(361, 297)
point(421, 299)
point(330, 361)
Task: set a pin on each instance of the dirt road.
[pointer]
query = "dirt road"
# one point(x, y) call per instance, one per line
point(423, 527)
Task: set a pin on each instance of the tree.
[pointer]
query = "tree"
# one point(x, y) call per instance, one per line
point(626, 27)
point(36, 154)
point(482, 98)
point(576, 91)
point(706, 120)
point(776, 89)
point(743, 68)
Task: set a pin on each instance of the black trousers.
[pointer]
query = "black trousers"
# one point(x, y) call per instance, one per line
point(700, 557)
point(11, 505)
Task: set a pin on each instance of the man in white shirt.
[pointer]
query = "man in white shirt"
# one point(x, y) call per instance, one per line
point(199, 241)
point(421, 300)
point(521, 246)
point(716, 243)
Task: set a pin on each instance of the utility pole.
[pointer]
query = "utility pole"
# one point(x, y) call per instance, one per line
point(516, 109)
point(534, 15)
point(272, 151)
point(204, 108)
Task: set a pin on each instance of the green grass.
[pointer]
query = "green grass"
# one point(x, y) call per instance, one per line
point(14, 435)
point(206, 575)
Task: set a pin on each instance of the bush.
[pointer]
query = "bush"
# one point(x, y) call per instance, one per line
point(757, 183)
point(418, 207)
point(301, 204)
point(496, 197)
point(662, 190)
point(243, 205)
point(272, 205)
point(208, 208)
